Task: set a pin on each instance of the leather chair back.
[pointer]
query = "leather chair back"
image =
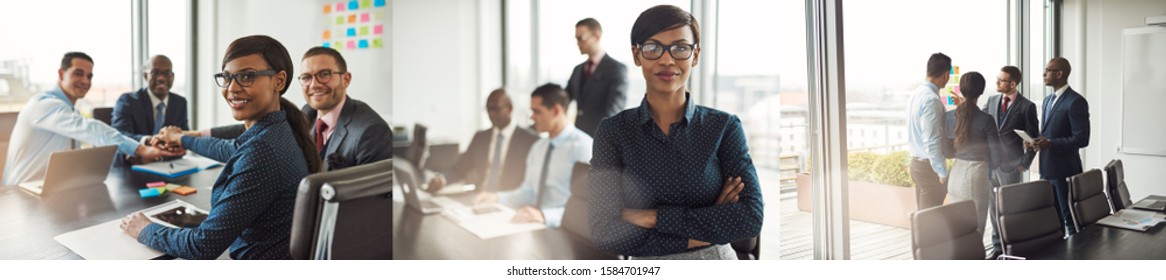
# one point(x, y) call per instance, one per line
point(1087, 201)
point(947, 232)
point(1028, 220)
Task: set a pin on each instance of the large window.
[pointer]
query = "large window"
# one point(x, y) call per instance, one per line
point(35, 39)
point(169, 22)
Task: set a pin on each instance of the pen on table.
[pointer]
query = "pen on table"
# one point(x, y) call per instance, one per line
point(171, 165)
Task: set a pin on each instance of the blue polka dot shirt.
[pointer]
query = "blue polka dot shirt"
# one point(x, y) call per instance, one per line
point(635, 165)
point(252, 201)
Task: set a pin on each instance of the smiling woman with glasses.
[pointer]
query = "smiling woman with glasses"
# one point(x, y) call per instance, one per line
point(671, 179)
point(253, 199)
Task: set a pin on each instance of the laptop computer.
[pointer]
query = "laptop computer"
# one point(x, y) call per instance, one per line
point(407, 176)
point(74, 169)
point(1151, 204)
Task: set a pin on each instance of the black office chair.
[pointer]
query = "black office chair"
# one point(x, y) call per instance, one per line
point(103, 114)
point(416, 153)
point(1087, 201)
point(1119, 195)
point(575, 213)
point(1027, 219)
point(947, 232)
point(345, 214)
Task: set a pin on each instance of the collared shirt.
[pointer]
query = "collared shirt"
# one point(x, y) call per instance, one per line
point(252, 201)
point(925, 129)
point(1057, 95)
point(506, 132)
point(49, 123)
point(595, 61)
point(332, 117)
point(680, 174)
point(571, 146)
point(154, 101)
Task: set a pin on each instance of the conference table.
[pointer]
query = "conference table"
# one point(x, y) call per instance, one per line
point(29, 222)
point(1100, 242)
point(418, 236)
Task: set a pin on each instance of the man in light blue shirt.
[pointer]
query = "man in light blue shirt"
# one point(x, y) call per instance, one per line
point(925, 135)
point(49, 123)
point(547, 184)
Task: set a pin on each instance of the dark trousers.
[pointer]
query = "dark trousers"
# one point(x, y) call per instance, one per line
point(928, 191)
point(1000, 178)
point(1061, 196)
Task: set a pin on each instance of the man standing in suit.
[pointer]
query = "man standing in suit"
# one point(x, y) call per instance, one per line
point(347, 131)
point(599, 85)
point(141, 114)
point(1064, 130)
point(496, 158)
point(1011, 111)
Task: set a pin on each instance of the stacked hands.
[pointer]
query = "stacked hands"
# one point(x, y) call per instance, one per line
point(168, 143)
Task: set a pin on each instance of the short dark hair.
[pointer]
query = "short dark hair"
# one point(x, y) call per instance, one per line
point(1013, 73)
point(591, 24)
point(318, 50)
point(1064, 62)
point(552, 94)
point(67, 61)
point(662, 18)
point(938, 65)
point(272, 51)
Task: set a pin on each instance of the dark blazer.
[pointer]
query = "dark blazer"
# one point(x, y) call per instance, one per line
point(602, 95)
point(1021, 115)
point(361, 136)
point(133, 115)
point(473, 165)
point(1066, 126)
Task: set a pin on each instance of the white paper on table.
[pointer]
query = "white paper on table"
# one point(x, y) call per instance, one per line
point(1132, 219)
point(1024, 135)
point(489, 225)
point(106, 241)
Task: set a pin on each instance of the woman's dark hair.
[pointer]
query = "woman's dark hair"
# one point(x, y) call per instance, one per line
point(278, 58)
point(662, 18)
point(971, 87)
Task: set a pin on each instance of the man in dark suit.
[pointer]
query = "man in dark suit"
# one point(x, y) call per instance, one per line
point(599, 85)
point(347, 131)
point(141, 114)
point(1011, 111)
point(1064, 131)
point(496, 158)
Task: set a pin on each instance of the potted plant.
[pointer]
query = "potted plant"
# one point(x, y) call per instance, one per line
point(880, 189)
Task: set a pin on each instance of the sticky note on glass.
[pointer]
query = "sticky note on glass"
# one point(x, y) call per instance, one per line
point(378, 29)
point(378, 3)
point(365, 4)
point(352, 32)
point(352, 5)
point(327, 44)
point(380, 16)
point(327, 34)
point(351, 18)
point(351, 44)
point(340, 7)
point(149, 192)
point(184, 190)
point(339, 20)
point(364, 17)
point(364, 31)
point(338, 45)
point(364, 43)
point(377, 43)
point(328, 8)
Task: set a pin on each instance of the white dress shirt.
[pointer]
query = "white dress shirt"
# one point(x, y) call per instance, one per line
point(571, 146)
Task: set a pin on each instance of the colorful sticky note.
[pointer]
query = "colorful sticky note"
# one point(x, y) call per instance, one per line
point(378, 3)
point(379, 16)
point(172, 186)
point(327, 44)
point(327, 34)
point(148, 192)
point(365, 4)
point(338, 45)
point(339, 20)
point(352, 5)
point(377, 43)
point(328, 8)
point(364, 31)
point(155, 184)
point(364, 17)
point(351, 18)
point(351, 44)
point(161, 190)
point(184, 190)
point(340, 7)
point(378, 29)
point(351, 32)
point(364, 43)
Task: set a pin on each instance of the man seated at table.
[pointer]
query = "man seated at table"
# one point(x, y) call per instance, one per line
point(143, 113)
point(49, 123)
point(496, 157)
point(542, 196)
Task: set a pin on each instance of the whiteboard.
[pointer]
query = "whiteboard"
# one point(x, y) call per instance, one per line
point(1143, 114)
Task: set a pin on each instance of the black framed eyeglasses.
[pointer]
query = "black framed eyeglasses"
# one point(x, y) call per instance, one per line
point(655, 50)
point(245, 79)
point(156, 73)
point(322, 77)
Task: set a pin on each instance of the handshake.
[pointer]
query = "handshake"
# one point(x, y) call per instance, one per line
point(167, 143)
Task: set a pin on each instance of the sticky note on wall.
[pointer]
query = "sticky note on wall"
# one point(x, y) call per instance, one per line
point(351, 44)
point(364, 17)
point(378, 3)
point(339, 20)
point(351, 32)
point(353, 5)
point(351, 18)
point(364, 43)
point(364, 31)
point(377, 43)
point(378, 29)
point(365, 4)
point(340, 7)
point(328, 8)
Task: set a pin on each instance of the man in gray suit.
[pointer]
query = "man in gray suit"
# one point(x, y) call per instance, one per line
point(347, 131)
point(599, 85)
point(1011, 111)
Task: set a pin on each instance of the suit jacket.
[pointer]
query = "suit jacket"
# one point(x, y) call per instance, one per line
point(473, 165)
point(133, 114)
point(1021, 115)
point(361, 136)
point(602, 95)
point(1066, 125)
